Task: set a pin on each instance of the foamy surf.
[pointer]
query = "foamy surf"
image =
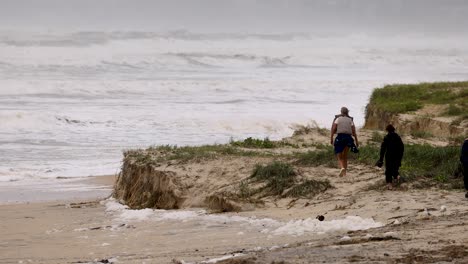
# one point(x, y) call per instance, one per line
point(75, 100)
point(266, 226)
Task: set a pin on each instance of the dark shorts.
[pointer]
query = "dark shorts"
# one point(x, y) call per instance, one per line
point(342, 141)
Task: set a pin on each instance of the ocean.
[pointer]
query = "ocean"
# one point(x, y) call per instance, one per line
point(71, 102)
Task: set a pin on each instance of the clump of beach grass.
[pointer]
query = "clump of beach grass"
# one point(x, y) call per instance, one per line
point(278, 177)
point(255, 143)
point(324, 156)
point(457, 140)
point(421, 134)
point(376, 137)
point(309, 128)
point(187, 153)
point(367, 155)
point(266, 143)
point(281, 180)
point(245, 191)
point(453, 110)
point(308, 189)
point(411, 97)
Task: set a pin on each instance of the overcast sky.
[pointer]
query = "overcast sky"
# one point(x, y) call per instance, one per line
point(449, 16)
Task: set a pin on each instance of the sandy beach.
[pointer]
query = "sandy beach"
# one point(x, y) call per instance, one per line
point(410, 226)
point(196, 132)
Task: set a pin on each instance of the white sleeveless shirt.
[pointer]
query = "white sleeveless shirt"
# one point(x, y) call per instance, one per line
point(344, 125)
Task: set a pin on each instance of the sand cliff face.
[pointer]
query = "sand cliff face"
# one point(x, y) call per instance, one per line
point(143, 186)
point(175, 185)
point(427, 120)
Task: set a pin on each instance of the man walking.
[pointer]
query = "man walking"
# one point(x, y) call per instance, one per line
point(392, 149)
point(464, 161)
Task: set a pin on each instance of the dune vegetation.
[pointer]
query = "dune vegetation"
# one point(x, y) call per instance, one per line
point(403, 98)
point(424, 110)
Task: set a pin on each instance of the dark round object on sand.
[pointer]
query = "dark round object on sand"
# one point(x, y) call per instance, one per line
point(466, 195)
point(320, 217)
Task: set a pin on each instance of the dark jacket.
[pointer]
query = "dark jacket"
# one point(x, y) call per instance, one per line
point(464, 153)
point(392, 149)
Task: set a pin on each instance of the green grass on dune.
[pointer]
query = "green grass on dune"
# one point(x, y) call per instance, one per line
point(266, 143)
point(157, 154)
point(244, 148)
point(440, 164)
point(402, 98)
point(323, 156)
point(279, 179)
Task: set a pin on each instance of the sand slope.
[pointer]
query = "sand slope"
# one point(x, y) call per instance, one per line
point(421, 226)
point(364, 222)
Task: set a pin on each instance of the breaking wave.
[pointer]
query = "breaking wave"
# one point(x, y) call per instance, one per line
point(88, 38)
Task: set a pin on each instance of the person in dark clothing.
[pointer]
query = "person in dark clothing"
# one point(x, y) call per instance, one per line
point(464, 161)
point(392, 149)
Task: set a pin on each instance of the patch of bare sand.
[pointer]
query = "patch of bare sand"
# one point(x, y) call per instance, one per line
point(420, 225)
point(106, 180)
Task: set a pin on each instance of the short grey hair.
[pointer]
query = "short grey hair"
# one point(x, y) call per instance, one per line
point(344, 111)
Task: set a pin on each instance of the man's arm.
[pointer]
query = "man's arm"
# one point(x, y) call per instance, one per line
point(355, 136)
point(383, 149)
point(333, 131)
point(464, 151)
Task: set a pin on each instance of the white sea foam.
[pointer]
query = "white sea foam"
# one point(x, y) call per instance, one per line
point(309, 225)
point(215, 260)
point(122, 213)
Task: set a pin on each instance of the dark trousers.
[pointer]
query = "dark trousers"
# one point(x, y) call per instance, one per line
point(465, 176)
point(391, 172)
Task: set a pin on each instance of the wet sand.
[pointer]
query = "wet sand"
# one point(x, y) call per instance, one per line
point(421, 226)
point(59, 189)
